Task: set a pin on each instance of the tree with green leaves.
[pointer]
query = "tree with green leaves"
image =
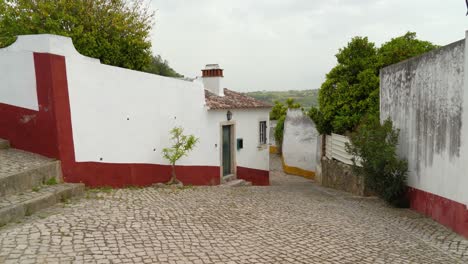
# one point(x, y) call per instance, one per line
point(117, 32)
point(402, 48)
point(347, 86)
point(351, 89)
point(182, 145)
point(280, 109)
point(161, 67)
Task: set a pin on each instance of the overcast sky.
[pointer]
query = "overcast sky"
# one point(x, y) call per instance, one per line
point(289, 44)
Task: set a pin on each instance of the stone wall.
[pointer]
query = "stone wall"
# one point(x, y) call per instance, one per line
point(337, 175)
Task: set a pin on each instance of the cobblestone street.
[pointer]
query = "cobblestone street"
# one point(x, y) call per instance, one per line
point(292, 221)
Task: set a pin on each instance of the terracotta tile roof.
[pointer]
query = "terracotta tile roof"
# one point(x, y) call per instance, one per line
point(232, 100)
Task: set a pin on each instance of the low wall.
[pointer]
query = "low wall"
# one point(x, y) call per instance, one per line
point(337, 175)
point(299, 146)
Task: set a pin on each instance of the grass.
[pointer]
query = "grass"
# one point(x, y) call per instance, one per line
point(51, 181)
point(36, 189)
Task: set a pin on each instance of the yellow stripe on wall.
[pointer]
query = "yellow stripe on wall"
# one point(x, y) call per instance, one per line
point(273, 149)
point(298, 171)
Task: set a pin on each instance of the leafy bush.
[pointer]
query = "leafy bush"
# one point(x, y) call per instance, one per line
point(51, 181)
point(279, 132)
point(384, 172)
point(280, 109)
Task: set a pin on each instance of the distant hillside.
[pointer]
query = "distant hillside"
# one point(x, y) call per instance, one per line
point(307, 98)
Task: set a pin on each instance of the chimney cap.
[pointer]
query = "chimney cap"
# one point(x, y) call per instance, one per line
point(212, 66)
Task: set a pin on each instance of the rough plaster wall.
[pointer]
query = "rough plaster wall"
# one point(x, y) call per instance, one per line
point(300, 141)
point(424, 98)
point(271, 130)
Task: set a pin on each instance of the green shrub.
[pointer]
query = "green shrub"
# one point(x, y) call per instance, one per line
point(279, 132)
point(384, 172)
point(51, 181)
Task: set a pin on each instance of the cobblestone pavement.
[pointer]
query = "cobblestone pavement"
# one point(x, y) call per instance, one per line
point(15, 161)
point(292, 221)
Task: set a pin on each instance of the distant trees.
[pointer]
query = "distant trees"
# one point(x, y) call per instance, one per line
point(307, 98)
point(351, 89)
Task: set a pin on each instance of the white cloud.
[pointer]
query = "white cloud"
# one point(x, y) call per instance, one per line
point(289, 44)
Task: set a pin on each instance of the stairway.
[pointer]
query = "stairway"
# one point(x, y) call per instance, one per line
point(231, 181)
point(30, 182)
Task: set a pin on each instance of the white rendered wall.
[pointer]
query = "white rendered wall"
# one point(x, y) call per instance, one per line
point(271, 130)
point(247, 126)
point(17, 73)
point(124, 116)
point(102, 102)
point(299, 141)
point(214, 85)
point(18, 79)
point(427, 99)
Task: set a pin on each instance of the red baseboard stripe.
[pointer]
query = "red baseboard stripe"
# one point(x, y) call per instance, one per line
point(256, 177)
point(447, 212)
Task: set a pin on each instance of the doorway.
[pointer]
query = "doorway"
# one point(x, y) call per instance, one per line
point(227, 155)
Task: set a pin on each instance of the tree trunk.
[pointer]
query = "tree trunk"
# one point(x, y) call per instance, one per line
point(173, 179)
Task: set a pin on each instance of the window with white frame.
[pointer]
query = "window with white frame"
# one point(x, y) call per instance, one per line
point(263, 132)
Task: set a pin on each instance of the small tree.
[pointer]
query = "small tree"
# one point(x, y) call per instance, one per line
point(183, 144)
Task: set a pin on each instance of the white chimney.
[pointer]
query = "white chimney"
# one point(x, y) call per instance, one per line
point(212, 78)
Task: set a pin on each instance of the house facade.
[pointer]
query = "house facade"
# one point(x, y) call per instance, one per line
point(108, 125)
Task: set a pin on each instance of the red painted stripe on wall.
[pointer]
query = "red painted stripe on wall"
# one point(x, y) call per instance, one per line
point(445, 211)
point(49, 132)
point(97, 173)
point(256, 177)
point(30, 130)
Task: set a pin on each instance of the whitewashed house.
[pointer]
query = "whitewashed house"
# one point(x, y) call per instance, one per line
point(108, 125)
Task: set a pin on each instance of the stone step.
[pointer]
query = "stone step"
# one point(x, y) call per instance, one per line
point(17, 206)
point(4, 144)
point(236, 183)
point(22, 171)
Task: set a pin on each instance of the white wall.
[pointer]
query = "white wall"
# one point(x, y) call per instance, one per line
point(18, 79)
point(272, 132)
point(214, 85)
point(299, 141)
point(427, 98)
point(102, 102)
point(121, 115)
point(17, 73)
point(247, 126)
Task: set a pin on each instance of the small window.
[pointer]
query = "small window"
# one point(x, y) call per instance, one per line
point(263, 134)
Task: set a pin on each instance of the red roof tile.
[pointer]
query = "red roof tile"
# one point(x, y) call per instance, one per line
point(232, 100)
